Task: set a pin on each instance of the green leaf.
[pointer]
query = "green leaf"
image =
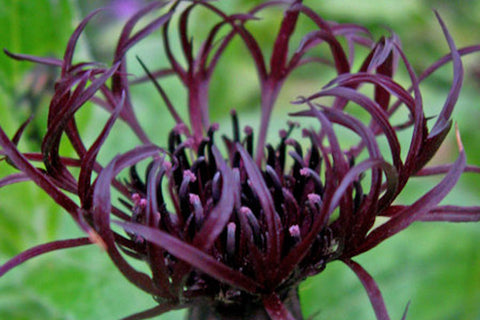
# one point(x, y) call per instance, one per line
point(40, 27)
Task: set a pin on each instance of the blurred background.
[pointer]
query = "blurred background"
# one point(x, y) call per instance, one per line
point(435, 266)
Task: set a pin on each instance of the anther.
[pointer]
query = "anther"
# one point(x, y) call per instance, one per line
point(231, 229)
point(314, 198)
point(294, 232)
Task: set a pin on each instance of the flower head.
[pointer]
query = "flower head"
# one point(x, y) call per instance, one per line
point(238, 230)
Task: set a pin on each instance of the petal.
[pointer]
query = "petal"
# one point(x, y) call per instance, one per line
point(372, 289)
point(47, 61)
point(193, 256)
point(419, 208)
point(452, 214)
point(14, 178)
point(41, 249)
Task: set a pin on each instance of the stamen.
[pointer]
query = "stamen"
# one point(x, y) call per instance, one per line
point(136, 198)
point(295, 145)
point(314, 199)
point(136, 182)
point(216, 190)
point(271, 155)
point(249, 139)
point(183, 193)
point(167, 165)
point(253, 222)
point(181, 128)
point(142, 203)
point(197, 209)
point(214, 127)
point(317, 181)
point(293, 124)
point(235, 125)
point(237, 186)
point(304, 172)
point(294, 232)
point(231, 229)
point(277, 185)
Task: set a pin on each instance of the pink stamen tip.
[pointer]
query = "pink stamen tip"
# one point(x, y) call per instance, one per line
point(181, 128)
point(294, 231)
point(232, 227)
point(290, 142)
point(189, 143)
point(233, 112)
point(136, 198)
point(142, 203)
point(293, 123)
point(314, 198)
point(189, 174)
point(282, 133)
point(167, 165)
point(245, 210)
point(215, 126)
point(193, 198)
point(304, 172)
point(248, 130)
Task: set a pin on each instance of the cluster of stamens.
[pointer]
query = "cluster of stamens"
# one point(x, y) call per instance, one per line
point(195, 184)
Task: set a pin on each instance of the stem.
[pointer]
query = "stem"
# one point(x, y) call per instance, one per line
point(270, 91)
point(246, 311)
point(198, 108)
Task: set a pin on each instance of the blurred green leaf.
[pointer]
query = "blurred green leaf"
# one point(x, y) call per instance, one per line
point(26, 27)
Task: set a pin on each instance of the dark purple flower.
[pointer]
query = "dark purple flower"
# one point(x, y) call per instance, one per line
point(231, 235)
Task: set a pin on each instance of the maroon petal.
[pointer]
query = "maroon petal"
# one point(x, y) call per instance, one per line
point(377, 113)
point(88, 160)
point(47, 61)
point(249, 40)
point(67, 58)
point(102, 208)
point(42, 249)
point(444, 116)
point(452, 214)
point(193, 256)
point(14, 178)
point(419, 208)
point(372, 289)
point(19, 160)
point(279, 56)
point(131, 23)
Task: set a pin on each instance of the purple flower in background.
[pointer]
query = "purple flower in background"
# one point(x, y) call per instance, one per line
point(126, 8)
point(230, 235)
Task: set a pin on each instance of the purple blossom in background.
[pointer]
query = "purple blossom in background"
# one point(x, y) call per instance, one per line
point(230, 235)
point(126, 8)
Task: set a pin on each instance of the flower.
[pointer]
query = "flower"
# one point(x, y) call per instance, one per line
point(235, 232)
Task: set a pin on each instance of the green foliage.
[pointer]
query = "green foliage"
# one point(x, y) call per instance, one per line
point(437, 267)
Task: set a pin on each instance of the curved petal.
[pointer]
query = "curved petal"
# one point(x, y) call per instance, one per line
point(372, 289)
point(193, 256)
point(42, 249)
